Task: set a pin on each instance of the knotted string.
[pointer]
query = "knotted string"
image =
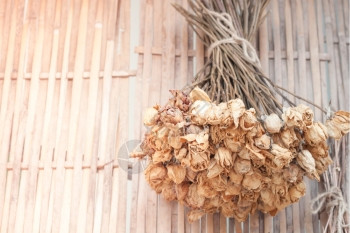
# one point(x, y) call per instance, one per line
point(332, 199)
point(224, 20)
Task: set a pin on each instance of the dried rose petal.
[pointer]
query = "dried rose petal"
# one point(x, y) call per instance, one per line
point(248, 120)
point(282, 156)
point(199, 94)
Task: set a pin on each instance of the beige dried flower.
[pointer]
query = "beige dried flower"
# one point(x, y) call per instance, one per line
point(237, 109)
point(199, 94)
point(297, 191)
point(289, 138)
point(155, 175)
point(316, 134)
point(263, 142)
point(193, 199)
point(307, 114)
point(194, 215)
point(242, 166)
point(224, 157)
point(150, 116)
point(339, 124)
point(273, 123)
point(292, 118)
point(248, 120)
point(176, 173)
point(251, 182)
point(307, 162)
point(214, 169)
point(235, 177)
point(181, 190)
point(168, 192)
point(161, 156)
point(282, 156)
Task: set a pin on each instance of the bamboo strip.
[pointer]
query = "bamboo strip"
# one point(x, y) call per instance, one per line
point(223, 224)
point(209, 224)
point(61, 137)
point(91, 115)
point(330, 49)
point(3, 111)
point(31, 151)
point(110, 189)
point(17, 135)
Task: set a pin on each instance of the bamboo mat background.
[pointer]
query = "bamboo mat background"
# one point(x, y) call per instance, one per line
point(75, 76)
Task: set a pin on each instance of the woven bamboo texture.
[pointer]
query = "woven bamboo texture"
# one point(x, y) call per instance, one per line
point(72, 94)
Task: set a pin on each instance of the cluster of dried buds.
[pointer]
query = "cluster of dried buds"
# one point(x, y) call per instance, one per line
point(224, 158)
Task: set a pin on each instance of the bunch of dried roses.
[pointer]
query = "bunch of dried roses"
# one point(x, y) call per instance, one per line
point(224, 158)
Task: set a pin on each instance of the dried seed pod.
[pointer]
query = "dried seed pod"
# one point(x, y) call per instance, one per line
point(307, 162)
point(224, 157)
point(339, 124)
point(273, 123)
point(176, 173)
point(316, 134)
point(150, 116)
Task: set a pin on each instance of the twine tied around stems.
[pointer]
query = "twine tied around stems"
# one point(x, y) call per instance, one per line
point(225, 21)
point(332, 199)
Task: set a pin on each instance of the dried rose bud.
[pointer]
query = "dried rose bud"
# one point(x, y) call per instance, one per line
point(237, 108)
point(155, 175)
point(293, 118)
point(194, 215)
point(307, 162)
point(181, 190)
point(251, 182)
point(316, 134)
point(224, 157)
point(235, 177)
point(193, 199)
point(273, 123)
point(282, 156)
point(307, 114)
point(263, 142)
point(199, 94)
point(289, 138)
point(150, 116)
point(214, 169)
point(176, 173)
point(248, 119)
point(242, 166)
point(297, 191)
point(199, 160)
point(161, 156)
point(168, 192)
point(339, 124)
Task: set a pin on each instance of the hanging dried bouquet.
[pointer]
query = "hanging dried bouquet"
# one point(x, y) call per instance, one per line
point(225, 143)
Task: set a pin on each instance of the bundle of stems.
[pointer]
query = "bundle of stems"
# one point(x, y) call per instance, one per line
point(232, 69)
